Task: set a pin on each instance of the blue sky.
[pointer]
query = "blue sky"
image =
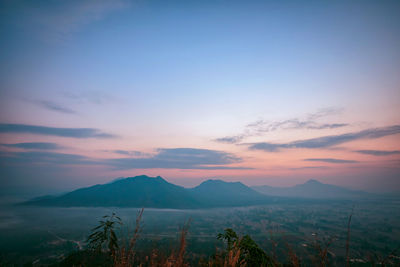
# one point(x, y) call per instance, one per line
point(157, 76)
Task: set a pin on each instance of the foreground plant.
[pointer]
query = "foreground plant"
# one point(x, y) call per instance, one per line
point(126, 255)
point(243, 251)
point(103, 236)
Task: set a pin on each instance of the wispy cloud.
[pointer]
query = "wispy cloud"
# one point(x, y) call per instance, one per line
point(309, 167)
point(132, 153)
point(44, 157)
point(54, 107)
point(260, 127)
point(330, 160)
point(180, 158)
point(34, 145)
point(167, 158)
point(379, 152)
point(328, 141)
point(230, 139)
point(54, 131)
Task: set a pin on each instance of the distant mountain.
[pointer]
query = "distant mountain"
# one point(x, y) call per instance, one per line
point(312, 189)
point(155, 192)
point(227, 194)
point(139, 191)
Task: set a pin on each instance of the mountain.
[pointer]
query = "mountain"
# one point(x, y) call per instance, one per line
point(139, 191)
point(312, 189)
point(155, 192)
point(227, 194)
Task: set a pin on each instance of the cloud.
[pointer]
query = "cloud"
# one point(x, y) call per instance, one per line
point(34, 157)
point(378, 152)
point(330, 160)
point(266, 126)
point(167, 158)
point(309, 122)
point(230, 139)
point(35, 145)
point(324, 112)
point(55, 107)
point(180, 158)
point(327, 126)
point(260, 127)
point(63, 132)
point(328, 141)
point(270, 147)
point(309, 167)
point(132, 153)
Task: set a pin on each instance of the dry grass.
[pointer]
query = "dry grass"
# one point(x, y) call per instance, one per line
point(322, 249)
point(348, 239)
point(294, 260)
point(126, 255)
point(178, 259)
point(233, 257)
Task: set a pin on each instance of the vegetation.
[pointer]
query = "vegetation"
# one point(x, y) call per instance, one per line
point(300, 234)
point(250, 254)
point(105, 249)
point(104, 234)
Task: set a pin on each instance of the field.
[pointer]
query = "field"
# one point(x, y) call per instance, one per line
point(46, 235)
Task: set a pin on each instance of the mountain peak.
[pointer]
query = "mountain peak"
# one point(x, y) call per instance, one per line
point(312, 189)
point(217, 182)
point(313, 181)
point(138, 178)
point(155, 192)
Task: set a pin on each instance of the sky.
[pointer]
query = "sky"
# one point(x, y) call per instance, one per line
point(262, 92)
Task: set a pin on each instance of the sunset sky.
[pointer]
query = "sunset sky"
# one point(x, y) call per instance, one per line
point(262, 92)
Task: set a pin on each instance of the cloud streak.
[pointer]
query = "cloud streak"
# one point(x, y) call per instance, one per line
point(55, 107)
point(230, 139)
point(260, 127)
point(378, 152)
point(180, 158)
point(330, 160)
point(35, 145)
point(132, 153)
point(327, 141)
point(54, 131)
point(166, 158)
point(309, 167)
point(35, 157)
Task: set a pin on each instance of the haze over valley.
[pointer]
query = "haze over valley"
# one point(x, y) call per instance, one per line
point(205, 133)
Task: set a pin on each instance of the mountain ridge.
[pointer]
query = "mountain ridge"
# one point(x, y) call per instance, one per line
point(156, 192)
point(313, 189)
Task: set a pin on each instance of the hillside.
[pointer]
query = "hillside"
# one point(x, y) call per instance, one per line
point(139, 191)
point(312, 189)
point(211, 192)
point(155, 192)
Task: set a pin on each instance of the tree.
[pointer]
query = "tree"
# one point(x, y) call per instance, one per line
point(250, 253)
point(103, 236)
point(229, 236)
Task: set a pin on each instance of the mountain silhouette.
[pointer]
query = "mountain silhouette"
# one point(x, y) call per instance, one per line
point(155, 192)
point(227, 194)
point(312, 189)
point(139, 191)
